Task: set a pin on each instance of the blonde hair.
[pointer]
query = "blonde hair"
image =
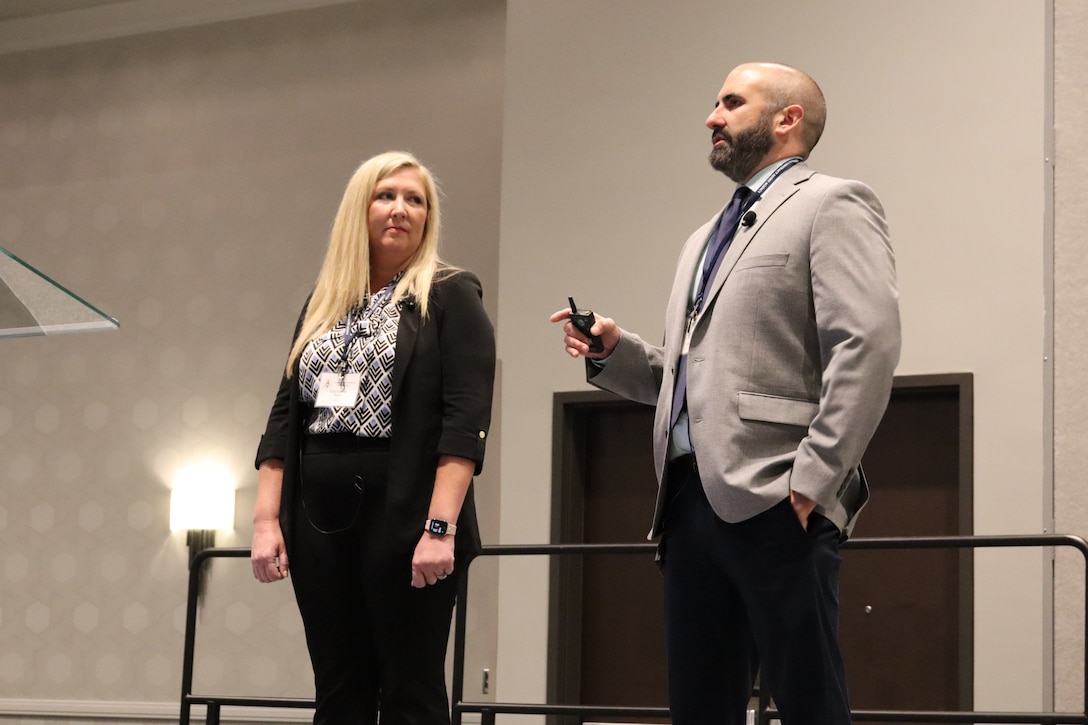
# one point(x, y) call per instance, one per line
point(344, 279)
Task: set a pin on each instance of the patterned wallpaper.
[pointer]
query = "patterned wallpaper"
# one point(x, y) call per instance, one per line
point(184, 182)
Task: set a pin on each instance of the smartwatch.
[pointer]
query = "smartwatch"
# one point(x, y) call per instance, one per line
point(438, 527)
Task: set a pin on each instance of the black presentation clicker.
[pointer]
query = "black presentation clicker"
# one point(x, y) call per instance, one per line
point(583, 320)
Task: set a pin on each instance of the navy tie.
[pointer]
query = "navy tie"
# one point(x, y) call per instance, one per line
point(727, 227)
point(715, 252)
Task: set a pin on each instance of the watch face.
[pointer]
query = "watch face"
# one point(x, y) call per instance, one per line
point(438, 527)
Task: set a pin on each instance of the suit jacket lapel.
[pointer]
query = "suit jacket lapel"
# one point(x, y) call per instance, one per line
point(777, 195)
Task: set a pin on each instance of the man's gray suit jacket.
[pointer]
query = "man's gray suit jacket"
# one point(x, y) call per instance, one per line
point(791, 361)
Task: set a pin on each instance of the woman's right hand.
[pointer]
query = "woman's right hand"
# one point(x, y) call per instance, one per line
point(268, 555)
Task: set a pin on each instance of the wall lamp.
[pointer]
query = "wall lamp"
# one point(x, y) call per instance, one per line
point(201, 501)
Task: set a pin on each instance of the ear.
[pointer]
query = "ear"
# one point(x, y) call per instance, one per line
point(788, 120)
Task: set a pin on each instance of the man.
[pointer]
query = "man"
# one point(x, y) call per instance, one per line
point(781, 338)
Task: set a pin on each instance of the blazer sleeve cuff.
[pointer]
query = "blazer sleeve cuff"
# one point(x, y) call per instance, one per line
point(465, 445)
point(270, 447)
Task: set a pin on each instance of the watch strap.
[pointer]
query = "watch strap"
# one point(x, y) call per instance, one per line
point(440, 527)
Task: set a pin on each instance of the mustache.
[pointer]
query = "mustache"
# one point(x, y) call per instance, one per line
point(719, 133)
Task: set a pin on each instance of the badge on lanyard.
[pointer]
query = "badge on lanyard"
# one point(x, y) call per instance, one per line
point(341, 389)
point(338, 391)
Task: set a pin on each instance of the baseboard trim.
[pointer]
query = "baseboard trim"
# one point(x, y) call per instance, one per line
point(91, 710)
point(148, 712)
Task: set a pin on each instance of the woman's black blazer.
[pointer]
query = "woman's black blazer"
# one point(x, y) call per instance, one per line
point(443, 379)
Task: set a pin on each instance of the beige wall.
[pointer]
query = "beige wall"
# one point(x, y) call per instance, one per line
point(938, 105)
point(185, 182)
point(1071, 342)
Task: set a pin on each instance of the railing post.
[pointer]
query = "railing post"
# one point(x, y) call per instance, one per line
point(1083, 547)
point(459, 636)
point(191, 602)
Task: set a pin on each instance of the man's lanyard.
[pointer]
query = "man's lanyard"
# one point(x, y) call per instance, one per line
point(704, 281)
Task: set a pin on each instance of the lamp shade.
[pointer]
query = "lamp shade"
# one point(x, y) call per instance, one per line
point(202, 498)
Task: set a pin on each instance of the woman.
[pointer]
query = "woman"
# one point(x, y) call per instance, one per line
point(366, 464)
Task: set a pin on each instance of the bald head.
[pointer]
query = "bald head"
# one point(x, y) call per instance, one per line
point(783, 86)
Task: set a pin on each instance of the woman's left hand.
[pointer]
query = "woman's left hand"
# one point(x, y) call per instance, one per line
point(433, 560)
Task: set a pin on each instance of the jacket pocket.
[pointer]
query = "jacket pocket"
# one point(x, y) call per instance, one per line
point(777, 409)
point(763, 260)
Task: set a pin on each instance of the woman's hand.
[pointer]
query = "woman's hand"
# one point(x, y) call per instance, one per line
point(268, 555)
point(433, 560)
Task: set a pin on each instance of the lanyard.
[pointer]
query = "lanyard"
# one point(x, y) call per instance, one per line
point(349, 337)
point(371, 311)
point(704, 280)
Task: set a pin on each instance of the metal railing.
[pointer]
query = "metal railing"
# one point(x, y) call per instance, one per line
point(489, 710)
point(214, 703)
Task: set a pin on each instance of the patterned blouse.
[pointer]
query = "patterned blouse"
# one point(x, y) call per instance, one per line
point(364, 343)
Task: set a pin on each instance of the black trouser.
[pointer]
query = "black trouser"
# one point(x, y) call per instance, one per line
point(376, 644)
point(759, 595)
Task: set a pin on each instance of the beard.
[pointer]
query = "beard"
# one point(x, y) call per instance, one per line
point(742, 152)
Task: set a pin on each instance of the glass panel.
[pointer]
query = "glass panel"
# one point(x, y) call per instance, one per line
point(33, 304)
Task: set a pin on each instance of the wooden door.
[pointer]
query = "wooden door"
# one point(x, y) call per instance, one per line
point(607, 618)
point(906, 624)
point(906, 617)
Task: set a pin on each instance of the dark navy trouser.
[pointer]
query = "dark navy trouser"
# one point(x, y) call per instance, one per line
point(759, 595)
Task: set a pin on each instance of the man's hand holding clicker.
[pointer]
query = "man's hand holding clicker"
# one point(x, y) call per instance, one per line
point(577, 344)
